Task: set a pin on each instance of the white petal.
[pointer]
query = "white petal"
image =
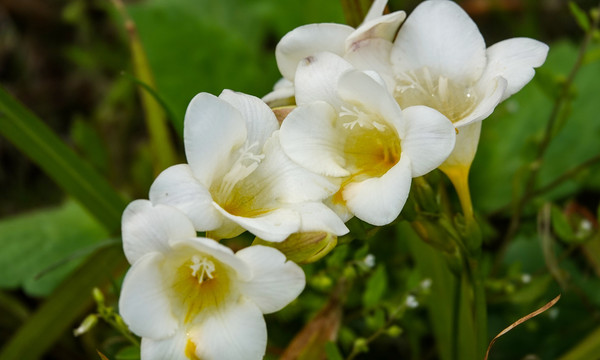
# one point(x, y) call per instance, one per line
point(235, 332)
point(429, 139)
point(383, 27)
point(213, 129)
point(514, 60)
point(308, 40)
point(282, 92)
point(339, 208)
point(172, 348)
point(357, 87)
point(144, 301)
point(376, 10)
point(220, 252)
point(491, 93)
point(228, 229)
point(177, 186)
point(260, 120)
point(319, 217)
point(147, 228)
point(275, 282)
point(378, 201)
point(275, 225)
point(309, 137)
point(317, 77)
point(280, 179)
point(466, 146)
point(373, 54)
point(439, 35)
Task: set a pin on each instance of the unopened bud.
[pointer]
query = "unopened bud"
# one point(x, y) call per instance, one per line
point(303, 248)
point(86, 325)
point(394, 331)
point(281, 112)
point(98, 296)
point(361, 345)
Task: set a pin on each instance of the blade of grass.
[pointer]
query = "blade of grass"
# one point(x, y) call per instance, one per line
point(588, 348)
point(62, 309)
point(161, 145)
point(77, 178)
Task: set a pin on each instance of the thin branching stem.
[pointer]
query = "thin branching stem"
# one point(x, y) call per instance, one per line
point(536, 165)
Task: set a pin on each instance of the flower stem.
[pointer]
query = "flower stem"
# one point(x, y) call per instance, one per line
point(479, 305)
point(459, 176)
point(456, 317)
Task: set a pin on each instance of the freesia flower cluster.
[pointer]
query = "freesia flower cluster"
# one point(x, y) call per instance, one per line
point(368, 109)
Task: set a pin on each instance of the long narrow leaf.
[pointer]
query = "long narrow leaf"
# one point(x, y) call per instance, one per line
point(76, 177)
point(61, 310)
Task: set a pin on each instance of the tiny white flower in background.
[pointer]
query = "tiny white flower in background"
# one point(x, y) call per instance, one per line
point(192, 298)
point(238, 178)
point(526, 278)
point(426, 284)
point(366, 47)
point(411, 302)
point(369, 260)
point(348, 126)
point(440, 60)
point(553, 313)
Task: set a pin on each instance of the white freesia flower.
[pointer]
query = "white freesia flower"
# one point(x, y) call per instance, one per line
point(440, 60)
point(348, 126)
point(238, 178)
point(366, 47)
point(192, 298)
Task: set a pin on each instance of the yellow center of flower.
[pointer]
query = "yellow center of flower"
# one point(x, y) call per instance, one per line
point(371, 146)
point(231, 193)
point(190, 350)
point(200, 282)
point(419, 87)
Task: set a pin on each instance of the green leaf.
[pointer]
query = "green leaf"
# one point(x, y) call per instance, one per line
point(580, 16)
point(561, 225)
point(128, 353)
point(588, 348)
point(216, 45)
point(332, 351)
point(89, 143)
point(376, 287)
point(36, 242)
point(75, 176)
point(60, 312)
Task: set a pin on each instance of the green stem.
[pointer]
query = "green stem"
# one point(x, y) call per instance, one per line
point(456, 317)
point(536, 165)
point(479, 306)
point(355, 11)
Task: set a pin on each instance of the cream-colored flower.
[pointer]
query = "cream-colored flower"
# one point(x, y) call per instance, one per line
point(440, 60)
point(238, 178)
point(362, 47)
point(192, 298)
point(348, 126)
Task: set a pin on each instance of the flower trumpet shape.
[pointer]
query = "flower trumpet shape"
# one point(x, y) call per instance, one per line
point(238, 178)
point(192, 298)
point(348, 126)
point(440, 60)
point(362, 46)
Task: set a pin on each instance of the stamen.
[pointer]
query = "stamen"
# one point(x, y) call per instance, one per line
point(361, 119)
point(245, 164)
point(452, 98)
point(202, 268)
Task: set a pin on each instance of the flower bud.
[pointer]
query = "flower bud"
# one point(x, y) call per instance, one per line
point(86, 325)
point(303, 248)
